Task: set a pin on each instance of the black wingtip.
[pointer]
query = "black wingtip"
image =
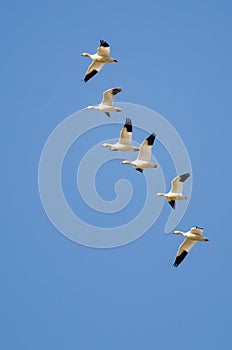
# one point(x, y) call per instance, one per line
point(139, 169)
point(172, 203)
point(115, 91)
point(128, 125)
point(180, 258)
point(104, 43)
point(90, 75)
point(150, 139)
point(184, 177)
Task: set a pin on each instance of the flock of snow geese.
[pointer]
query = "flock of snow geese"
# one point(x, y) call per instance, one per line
point(143, 161)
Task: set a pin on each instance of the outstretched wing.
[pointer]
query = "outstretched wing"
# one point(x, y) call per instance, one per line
point(126, 133)
point(108, 96)
point(146, 148)
point(183, 250)
point(103, 49)
point(93, 69)
point(197, 231)
point(177, 183)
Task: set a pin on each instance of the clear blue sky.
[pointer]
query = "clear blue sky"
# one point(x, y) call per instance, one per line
point(175, 58)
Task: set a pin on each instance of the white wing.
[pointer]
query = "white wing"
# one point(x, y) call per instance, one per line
point(186, 245)
point(144, 153)
point(146, 148)
point(177, 183)
point(183, 250)
point(103, 49)
point(126, 133)
point(93, 69)
point(197, 231)
point(108, 96)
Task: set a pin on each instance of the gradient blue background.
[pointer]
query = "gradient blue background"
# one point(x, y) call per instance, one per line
point(175, 58)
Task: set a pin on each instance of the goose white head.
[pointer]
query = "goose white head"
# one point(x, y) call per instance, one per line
point(125, 162)
point(85, 54)
point(177, 232)
point(90, 107)
point(160, 194)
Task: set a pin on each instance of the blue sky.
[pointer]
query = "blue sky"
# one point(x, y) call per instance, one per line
point(174, 58)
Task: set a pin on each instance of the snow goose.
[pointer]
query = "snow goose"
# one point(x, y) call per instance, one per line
point(124, 142)
point(107, 102)
point(144, 158)
point(176, 191)
point(99, 59)
point(191, 237)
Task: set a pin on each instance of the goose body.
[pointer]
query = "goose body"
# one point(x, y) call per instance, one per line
point(192, 236)
point(99, 59)
point(175, 192)
point(106, 105)
point(124, 142)
point(143, 160)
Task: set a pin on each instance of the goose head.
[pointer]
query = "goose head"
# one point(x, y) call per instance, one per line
point(85, 54)
point(177, 233)
point(160, 194)
point(125, 162)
